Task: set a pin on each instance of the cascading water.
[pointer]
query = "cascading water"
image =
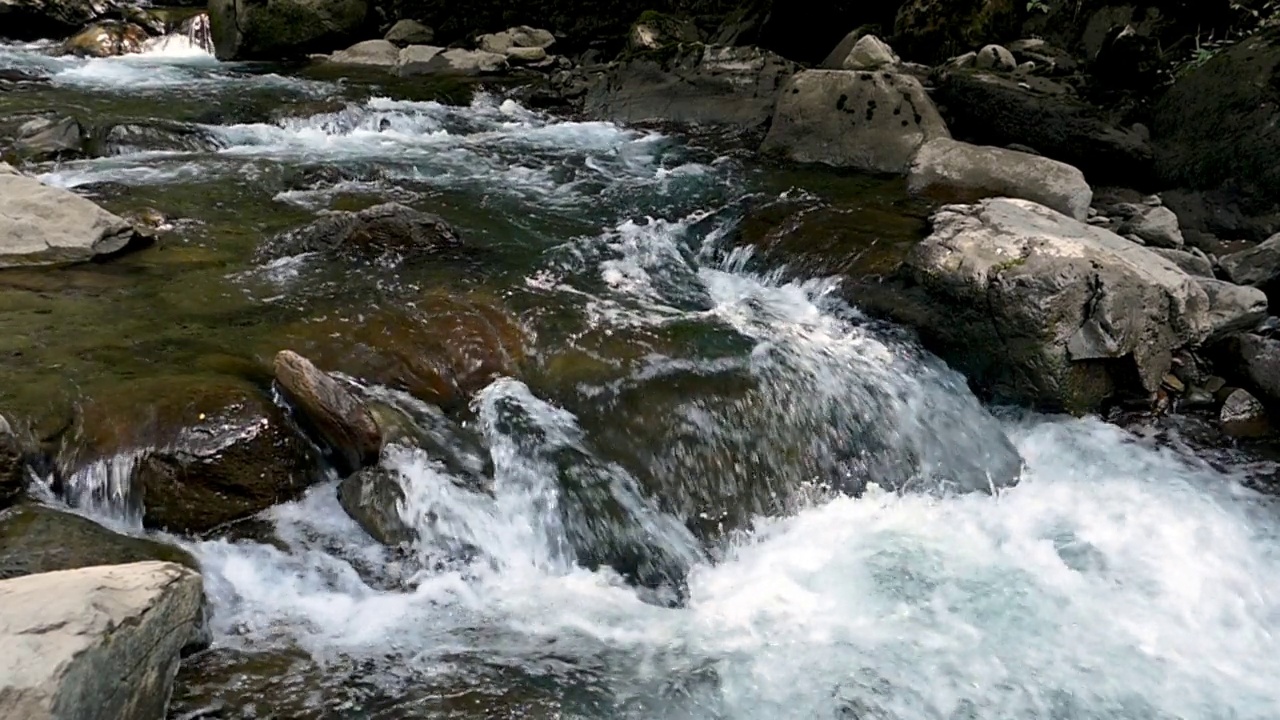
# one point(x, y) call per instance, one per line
point(685, 509)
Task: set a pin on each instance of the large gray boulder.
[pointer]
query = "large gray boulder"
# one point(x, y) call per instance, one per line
point(43, 225)
point(374, 53)
point(410, 32)
point(282, 29)
point(872, 121)
point(431, 60)
point(1258, 360)
point(1258, 266)
point(50, 138)
point(957, 172)
point(697, 84)
point(1232, 308)
point(97, 642)
point(38, 539)
point(522, 36)
point(1038, 308)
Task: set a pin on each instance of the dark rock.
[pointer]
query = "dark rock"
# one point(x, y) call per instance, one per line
point(50, 139)
point(655, 30)
point(1225, 212)
point(38, 539)
point(373, 232)
point(107, 39)
point(43, 19)
point(872, 121)
point(410, 32)
point(372, 497)
point(13, 466)
point(156, 135)
point(1259, 361)
point(1258, 266)
point(1232, 308)
point(340, 419)
point(930, 31)
point(284, 29)
point(694, 84)
point(990, 109)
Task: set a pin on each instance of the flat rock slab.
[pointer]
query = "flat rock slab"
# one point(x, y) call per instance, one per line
point(43, 225)
point(96, 642)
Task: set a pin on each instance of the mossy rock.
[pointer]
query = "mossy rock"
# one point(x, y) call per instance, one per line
point(39, 539)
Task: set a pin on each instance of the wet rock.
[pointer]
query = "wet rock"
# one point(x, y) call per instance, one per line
point(1232, 308)
point(872, 121)
point(341, 420)
point(995, 57)
point(428, 60)
point(1242, 415)
point(1258, 266)
point(410, 32)
point(13, 465)
point(1035, 307)
point(369, 233)
point(516, 37)
point(1259, 360)
point(43, 19)
point(46, 139)
point(1156, 226)
point(654, 30)
point(694, 84)
point(107, 39)
point(953, 171)
point(992, 109)
point(37, 539)
point(375, 53)
point(157, 135)
point(372, 498)
point(284, 29)
point(1192, 262)
point(868, 53)
point(97, 642)
point(43, 225)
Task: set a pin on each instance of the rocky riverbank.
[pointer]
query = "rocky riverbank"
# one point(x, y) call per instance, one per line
point(1093, 231)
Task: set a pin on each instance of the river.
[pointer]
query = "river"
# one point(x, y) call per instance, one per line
point(725, 415)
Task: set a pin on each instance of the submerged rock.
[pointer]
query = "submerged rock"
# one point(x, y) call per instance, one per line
point(376, 53)
point(100, 642)
point(1035, 307)
point(695, 84)
point(953, 171)
point(409, 32)
point(37, 539)
point(284, 29)
point(107, 39)
point(43, 225)
point(51, 138)
point(341, 419)
point(387, 228)
point(872, 121)
point(157, 135)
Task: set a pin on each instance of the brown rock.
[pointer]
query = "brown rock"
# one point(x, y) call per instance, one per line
point(340, 418)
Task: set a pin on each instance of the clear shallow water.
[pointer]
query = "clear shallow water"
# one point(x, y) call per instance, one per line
point(713, 413)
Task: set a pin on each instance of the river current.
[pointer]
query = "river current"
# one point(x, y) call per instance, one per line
point(802, 465)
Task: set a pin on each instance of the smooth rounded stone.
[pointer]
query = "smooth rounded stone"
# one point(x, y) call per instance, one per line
point(1192, 262)
point(284, 29)
point(871, 121)
point(107, 39)
point(1257, 266)
point(38, 539)
point(655, 30)
point(44, 225)
point(953, 171)
point(1232, 308)
point(369, 233)
point(417, 60)
point(516, 37)
point(1243, 415)
point(699, 84)
point(409, 32)
point(44, 139)
point(376, 53)
point(341, 420)
point(995, 57)
point(372, 498)
point(1156, 226)
point(525, 55)
point(1037, 308)
point(869, 53)
point(97, 642)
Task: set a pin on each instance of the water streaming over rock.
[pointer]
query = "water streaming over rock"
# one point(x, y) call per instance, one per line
point(685, 511)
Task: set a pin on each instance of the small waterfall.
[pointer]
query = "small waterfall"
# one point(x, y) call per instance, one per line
point(192, 37)
point(104, 488)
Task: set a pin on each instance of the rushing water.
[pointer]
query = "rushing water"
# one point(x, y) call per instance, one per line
point(737, 431)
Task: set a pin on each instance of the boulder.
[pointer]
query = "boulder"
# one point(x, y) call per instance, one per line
point(694, 84)
point(43, 19)
point(1155, 226)
point(995, 57)
point(376, 53)
point(428, 60)
point(525, 55)
point(52, 138)
point(1038, 308)
point(868, 53)
point(284, 29)
point(1243, 415)
point(1232, 308)
point(991, 109)
point(389, 228)
point(957, 172)
point(157, 135)
point(372, 498)
point(338, 417)
point(37, 539)
point(835, 59)
point(516, 37)
point(871, 121)
point(1259, 360)
point(199, 451)
point(409, 32)
point(107, 39)
point(654, 30)
point(13, 466)
point(1258, 266)
point(43, 225)
point(1192, 262)
point(97, 642)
